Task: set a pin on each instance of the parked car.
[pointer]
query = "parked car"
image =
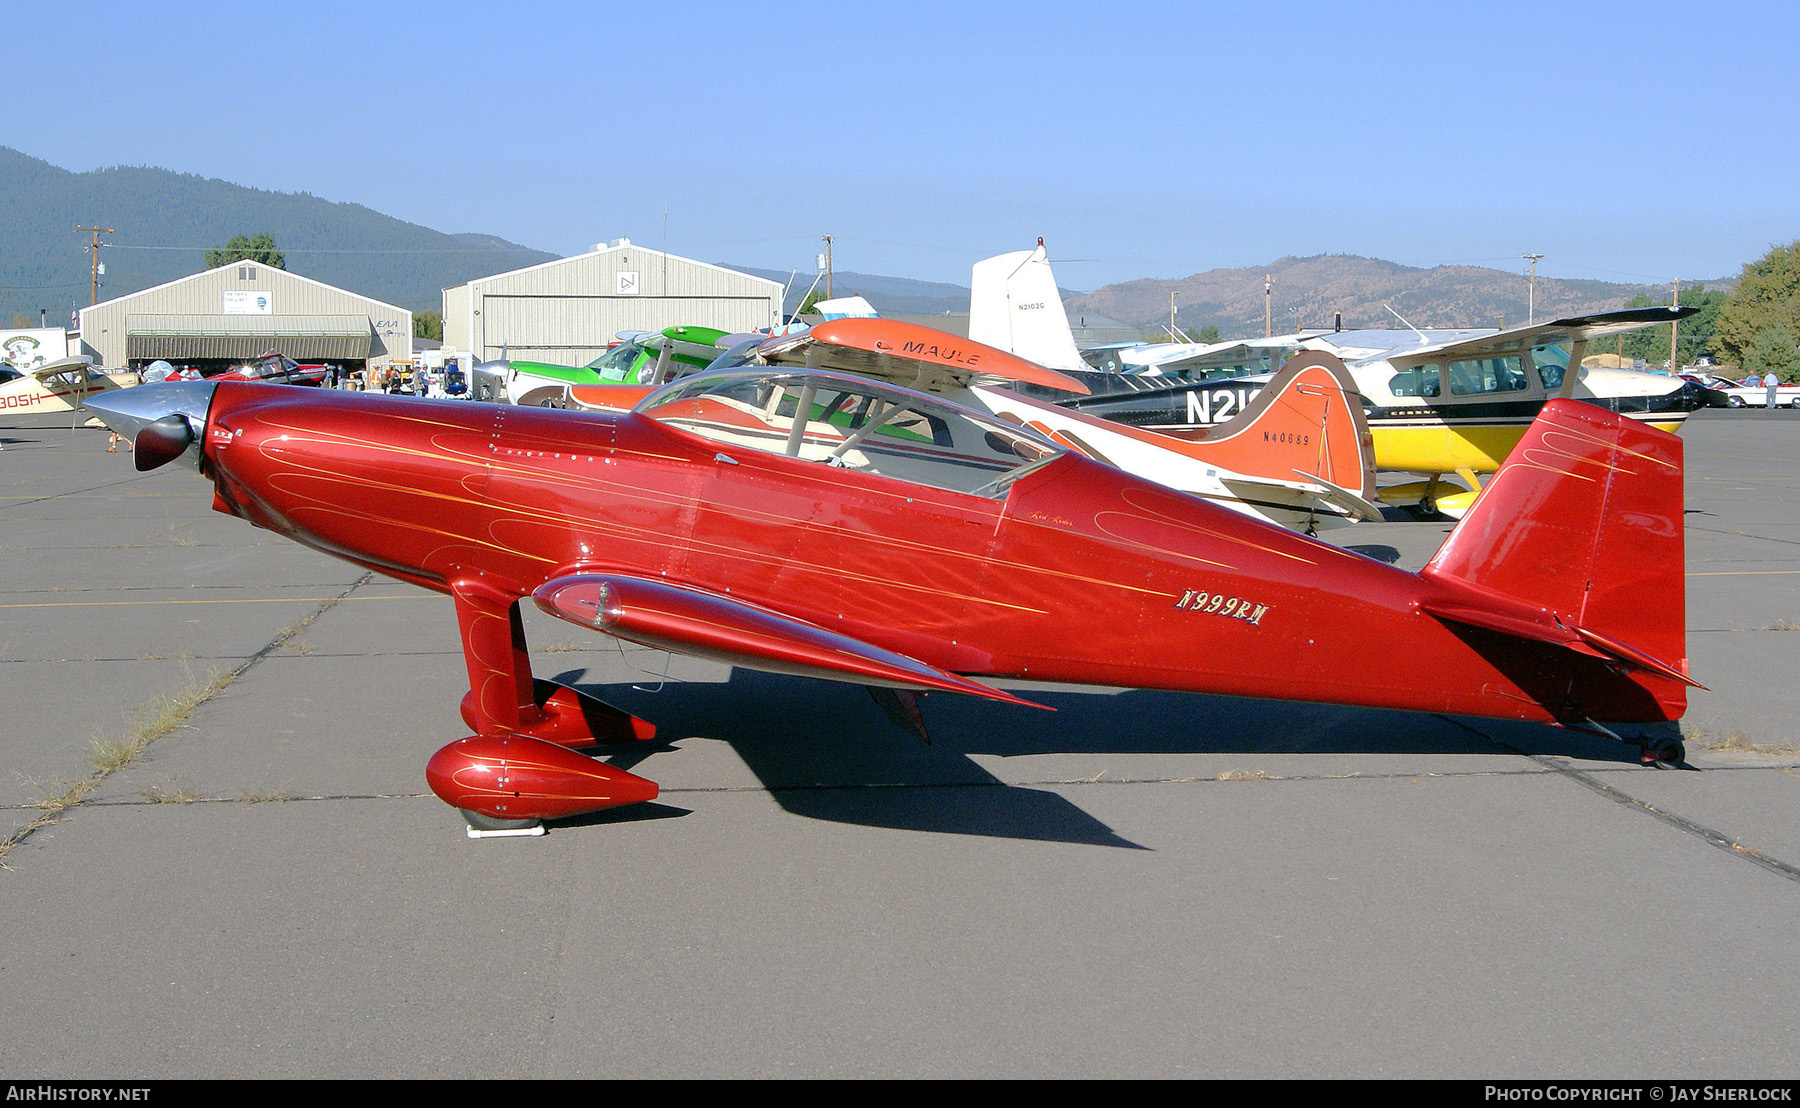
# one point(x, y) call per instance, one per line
point(1716, 396)
point(1745, 396)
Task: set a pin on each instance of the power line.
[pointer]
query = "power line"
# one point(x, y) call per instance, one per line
point(334, 249)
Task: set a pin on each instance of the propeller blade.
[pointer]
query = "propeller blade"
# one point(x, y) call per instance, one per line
point(161, 442)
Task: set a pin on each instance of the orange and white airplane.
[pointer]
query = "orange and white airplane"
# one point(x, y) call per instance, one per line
point(1299, 456)
point(59, 386)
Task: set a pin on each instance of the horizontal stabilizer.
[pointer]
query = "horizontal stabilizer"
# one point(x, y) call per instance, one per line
point(1352, 502)
point(1545, 628)
point(706, 625)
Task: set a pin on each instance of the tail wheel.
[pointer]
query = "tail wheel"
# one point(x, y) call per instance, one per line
point(1663, 754)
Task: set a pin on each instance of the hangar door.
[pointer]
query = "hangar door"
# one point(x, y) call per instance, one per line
point(576, 329)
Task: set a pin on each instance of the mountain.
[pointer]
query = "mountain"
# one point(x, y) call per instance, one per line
point(166, 221)
point(1307, 291)
point(889, 295)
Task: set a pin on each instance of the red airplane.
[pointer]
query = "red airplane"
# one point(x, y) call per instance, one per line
point(826, 525)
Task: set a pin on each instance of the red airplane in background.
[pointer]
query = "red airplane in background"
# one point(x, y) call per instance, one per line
point(820, 524)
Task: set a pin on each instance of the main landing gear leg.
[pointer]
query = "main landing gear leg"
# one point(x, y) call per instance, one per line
point(518, 768)
point(504, 698)
point(1428, 502)
point(1662, 753)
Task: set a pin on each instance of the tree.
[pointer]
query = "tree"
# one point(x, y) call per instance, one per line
point(1209, 333)
point(1774, 351)
point(1767, 296)
point(428, 324)
point(1696, 335)
point(806, 304)
point(259, 247)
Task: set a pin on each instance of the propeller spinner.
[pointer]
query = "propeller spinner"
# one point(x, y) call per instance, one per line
point(162, 421)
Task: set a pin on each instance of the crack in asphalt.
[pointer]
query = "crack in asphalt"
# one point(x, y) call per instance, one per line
point(58, 813)
point(1587, 780)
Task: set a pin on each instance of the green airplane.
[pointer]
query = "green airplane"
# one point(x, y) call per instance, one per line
point(643, 358)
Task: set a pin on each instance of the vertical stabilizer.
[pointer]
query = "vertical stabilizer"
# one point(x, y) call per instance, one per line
point(1578, 539)
point(1308, 421)
point(1014, 305)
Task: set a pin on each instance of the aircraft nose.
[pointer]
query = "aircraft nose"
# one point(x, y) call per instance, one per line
point(130, 410)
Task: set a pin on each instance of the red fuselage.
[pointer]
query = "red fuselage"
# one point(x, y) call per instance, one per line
point(1081, 573)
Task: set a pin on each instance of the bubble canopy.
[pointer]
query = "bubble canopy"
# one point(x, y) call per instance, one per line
point(856, 424)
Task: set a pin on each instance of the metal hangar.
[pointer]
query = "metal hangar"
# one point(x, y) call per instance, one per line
point(568, 311)
point(242, 310)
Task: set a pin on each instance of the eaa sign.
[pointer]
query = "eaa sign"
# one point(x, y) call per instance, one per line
point(248, 303)
point(23, 349)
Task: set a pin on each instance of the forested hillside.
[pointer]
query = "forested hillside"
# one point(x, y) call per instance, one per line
point(165, 222)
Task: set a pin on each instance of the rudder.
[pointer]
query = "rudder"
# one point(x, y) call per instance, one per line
point(1578, 539)
point(1307, 421)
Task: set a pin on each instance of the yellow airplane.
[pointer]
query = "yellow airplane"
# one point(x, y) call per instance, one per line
point(1441, 404)
point(1457, 403)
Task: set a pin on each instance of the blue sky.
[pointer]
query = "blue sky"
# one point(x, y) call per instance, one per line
point(1634, 142)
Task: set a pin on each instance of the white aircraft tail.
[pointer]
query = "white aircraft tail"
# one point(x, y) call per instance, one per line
point(1014, 305)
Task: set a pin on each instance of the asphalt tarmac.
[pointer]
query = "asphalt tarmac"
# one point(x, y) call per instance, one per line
point(1138, 885)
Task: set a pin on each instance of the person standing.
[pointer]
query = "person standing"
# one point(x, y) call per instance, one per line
point(1769, 383)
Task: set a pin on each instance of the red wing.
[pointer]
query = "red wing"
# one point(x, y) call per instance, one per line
point(707, 625)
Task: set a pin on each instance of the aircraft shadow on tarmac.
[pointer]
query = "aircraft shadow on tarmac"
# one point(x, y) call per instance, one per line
point(825, 750)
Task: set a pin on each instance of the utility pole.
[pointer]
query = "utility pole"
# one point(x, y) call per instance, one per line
point(1268, 327)
point(1173, 334)
point(94, 264)
point(1531, 312)
point(1674, 326)
point(828, 267)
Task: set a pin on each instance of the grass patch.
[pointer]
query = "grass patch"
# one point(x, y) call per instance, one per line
point(151, 722)
point(561, 648)
point(1786, 625)
point(1733, 739)
point(183, 795)
point(110, 754)
point(1241, 775)
point(62, 794)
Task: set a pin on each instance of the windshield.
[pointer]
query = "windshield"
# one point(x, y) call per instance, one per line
point(852, 423)
point(1552, 363)
point(616, 363)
